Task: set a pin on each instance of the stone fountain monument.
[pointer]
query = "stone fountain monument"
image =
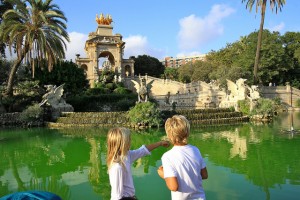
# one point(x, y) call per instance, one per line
point(104, 44)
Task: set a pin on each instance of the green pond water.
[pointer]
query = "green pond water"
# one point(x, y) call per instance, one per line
point(244, 161)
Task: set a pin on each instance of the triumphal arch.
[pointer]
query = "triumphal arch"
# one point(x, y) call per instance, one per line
point(104, 45)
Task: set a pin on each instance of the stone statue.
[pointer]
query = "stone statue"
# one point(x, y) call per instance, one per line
point(253, 95)
point(54, 99)
point(253, 92)
point(120, 79)
point(237, 90)
point(104, 79)
point(95, 70)
point(142, 89)
point(106, 64)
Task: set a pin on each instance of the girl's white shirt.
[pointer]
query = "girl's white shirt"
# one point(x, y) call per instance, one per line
point(120, 177)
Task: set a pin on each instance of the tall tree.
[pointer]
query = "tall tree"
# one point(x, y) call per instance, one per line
point(4, 6)
point(274, 4)
point(145, 64)
point(37, 28)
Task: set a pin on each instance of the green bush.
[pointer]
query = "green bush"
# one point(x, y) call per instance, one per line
point(110, 86)
point(145, 114)
point(121, 90)
point(97, 91)
point(32, 113)
point(124, 104)
point(264, 107)
point(28, 88)
point(94, 103)
point(244, 106)
point(298, 103)
point(99, 85)
point(277, 101)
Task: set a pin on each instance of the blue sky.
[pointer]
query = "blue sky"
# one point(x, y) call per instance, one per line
point(161, 28)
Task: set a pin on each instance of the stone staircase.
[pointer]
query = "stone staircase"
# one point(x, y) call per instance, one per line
point(210, 116)
point(199, 117)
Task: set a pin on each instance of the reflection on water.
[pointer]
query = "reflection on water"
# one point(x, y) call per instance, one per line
point(244, 161)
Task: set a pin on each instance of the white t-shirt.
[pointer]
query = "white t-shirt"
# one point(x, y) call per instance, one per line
point(120, 178)
point(185, 163)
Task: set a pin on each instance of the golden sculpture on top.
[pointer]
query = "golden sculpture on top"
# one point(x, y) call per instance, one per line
point(101, 20)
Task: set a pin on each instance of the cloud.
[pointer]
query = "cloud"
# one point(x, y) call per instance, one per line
point(135, 45)
point(195, 31)
point(76, 45)
point(278, 27)
point(139, 45)
point(184, 54)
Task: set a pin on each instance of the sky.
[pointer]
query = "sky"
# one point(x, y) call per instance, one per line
point(161, 28)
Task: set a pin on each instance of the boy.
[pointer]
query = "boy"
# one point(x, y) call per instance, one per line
point(183, 167)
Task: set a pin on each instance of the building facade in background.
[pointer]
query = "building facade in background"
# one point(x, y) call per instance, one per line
point(178, 61)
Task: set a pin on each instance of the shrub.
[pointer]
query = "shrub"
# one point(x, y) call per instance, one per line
point(244, 106)
point(264, 107)
point(110, 86)
point(298, 103)
point(32, 113)
point(94, 103)
point(124, 104)
point(121, 90)
point(146, 114)
point(277, 101)
point(96, 91)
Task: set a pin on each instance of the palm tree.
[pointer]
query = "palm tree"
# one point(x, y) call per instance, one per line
point(37, 30)
point(4, 6)
point(277, 4)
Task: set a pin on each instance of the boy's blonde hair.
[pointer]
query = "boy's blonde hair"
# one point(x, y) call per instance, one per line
point(118, 145)
point(178, 129)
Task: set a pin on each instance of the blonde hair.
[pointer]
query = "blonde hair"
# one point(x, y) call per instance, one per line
point(118, 145)
point(178, 129)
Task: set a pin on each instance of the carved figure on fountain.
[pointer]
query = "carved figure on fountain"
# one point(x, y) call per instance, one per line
point(142, 89)
point(54, 99)
point(101, 20)
point(240, 91)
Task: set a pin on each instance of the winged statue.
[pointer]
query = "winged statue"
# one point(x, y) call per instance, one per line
point(142, 89)
point(232, 89)
point(253, 92)
point(237, 90)
point(53, 97)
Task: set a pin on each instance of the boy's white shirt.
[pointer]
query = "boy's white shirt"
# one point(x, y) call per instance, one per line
point(120, 178)
point(185, 163)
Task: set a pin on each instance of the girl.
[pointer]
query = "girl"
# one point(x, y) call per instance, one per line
point(119, 160)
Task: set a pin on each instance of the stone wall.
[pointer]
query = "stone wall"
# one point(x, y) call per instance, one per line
point(10, 119)
point(13, 120)
point(199, 94)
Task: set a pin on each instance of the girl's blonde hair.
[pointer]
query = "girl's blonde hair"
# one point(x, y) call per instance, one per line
point(118, 145)
point(178, 129)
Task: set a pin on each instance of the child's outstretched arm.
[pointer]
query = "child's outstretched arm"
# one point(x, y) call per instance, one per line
point(152, 146)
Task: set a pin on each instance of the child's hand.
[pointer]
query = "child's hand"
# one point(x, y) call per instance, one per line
point(165, 143)
point(160, 172)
